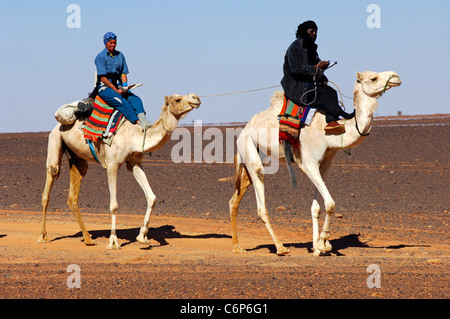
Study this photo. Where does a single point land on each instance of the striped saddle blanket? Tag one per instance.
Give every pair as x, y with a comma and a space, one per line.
103, 121
291, 117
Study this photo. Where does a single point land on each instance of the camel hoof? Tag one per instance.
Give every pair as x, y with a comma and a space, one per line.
323, 246
239, 249
90, 242
113, 244
113, 247
43, 239
319, 253
320, 246
142, 240
283, 251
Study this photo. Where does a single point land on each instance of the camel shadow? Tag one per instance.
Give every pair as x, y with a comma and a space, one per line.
339, 244
159, 234
1, 236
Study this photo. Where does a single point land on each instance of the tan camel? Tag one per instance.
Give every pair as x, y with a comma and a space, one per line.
127, 147
317, 151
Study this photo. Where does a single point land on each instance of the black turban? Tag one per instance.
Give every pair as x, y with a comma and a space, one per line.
302, 28
308, 42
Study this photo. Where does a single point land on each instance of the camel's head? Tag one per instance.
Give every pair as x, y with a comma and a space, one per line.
181, 105
375, 84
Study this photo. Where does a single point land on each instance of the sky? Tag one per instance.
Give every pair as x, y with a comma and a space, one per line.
215, 47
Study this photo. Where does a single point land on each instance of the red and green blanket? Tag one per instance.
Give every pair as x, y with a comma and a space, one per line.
290, 119
97, 124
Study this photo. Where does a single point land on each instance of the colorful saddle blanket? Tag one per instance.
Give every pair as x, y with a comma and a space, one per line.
103, 121
291, 117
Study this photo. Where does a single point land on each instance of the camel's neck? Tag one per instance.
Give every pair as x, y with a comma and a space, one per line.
364, 106
157, 135
359, 127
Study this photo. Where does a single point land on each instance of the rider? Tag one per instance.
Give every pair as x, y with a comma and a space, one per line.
112, 73
302, 66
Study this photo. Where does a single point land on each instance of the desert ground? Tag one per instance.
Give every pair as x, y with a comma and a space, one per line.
392, 211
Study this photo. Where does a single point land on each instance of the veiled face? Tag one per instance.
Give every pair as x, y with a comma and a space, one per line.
312, 33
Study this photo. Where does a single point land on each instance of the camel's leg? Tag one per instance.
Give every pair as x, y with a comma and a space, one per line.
52, 174
242, 183
255, 170
258, 184
113, 205
142, 180
316, 173
54, 157
43, 237
78, 169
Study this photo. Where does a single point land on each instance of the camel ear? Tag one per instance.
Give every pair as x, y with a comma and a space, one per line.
166, 100
359, 76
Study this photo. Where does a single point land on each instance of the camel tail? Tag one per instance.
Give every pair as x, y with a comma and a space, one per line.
289, 160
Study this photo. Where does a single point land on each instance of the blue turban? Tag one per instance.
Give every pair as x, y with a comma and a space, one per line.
108, 37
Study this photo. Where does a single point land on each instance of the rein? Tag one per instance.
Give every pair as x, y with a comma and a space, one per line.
357, 128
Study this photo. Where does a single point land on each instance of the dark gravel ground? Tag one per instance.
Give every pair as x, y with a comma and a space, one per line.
392, 200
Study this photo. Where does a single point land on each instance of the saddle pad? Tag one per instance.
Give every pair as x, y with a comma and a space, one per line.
96, 125
290, 119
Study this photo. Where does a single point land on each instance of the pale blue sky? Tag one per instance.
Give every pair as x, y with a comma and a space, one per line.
210, 47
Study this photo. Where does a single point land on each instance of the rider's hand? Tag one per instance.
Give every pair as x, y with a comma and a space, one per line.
323, 65
123, 89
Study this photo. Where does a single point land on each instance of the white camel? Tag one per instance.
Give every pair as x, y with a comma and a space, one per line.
317, 151
128, 146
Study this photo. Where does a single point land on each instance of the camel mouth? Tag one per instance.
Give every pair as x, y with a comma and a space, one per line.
194, 101
394, 81
392, 85
189, 107
194, 104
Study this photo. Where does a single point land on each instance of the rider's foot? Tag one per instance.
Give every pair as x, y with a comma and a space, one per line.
334, 128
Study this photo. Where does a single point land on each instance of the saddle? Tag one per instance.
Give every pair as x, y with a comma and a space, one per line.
103, 121
291, 118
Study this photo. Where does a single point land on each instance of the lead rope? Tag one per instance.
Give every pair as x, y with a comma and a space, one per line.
143, 140
240, 92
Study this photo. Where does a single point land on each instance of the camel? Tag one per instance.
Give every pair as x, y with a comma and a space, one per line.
128, 146
313, 157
